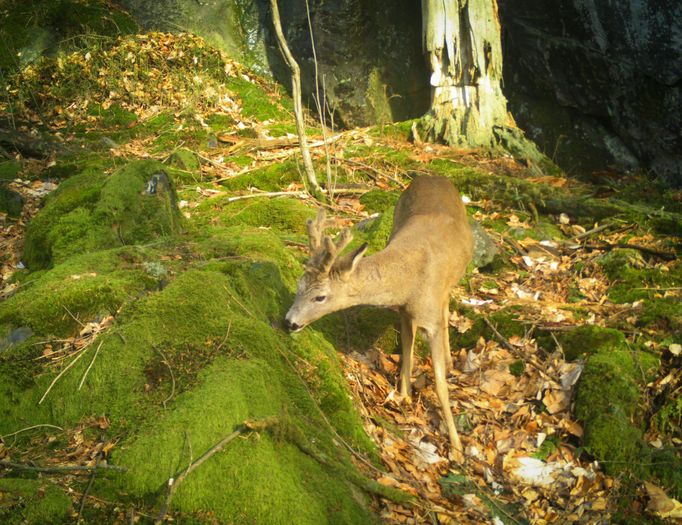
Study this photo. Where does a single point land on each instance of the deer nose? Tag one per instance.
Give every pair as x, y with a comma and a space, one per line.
290, 327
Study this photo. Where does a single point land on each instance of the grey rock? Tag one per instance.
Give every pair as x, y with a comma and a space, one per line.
598, 84
485, 249
19, 335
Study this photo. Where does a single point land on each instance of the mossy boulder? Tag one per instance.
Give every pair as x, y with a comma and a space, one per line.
9, 170
269, 178
186, 160
633, 279
32, 502
82, 289
607, 399
136, 204
11, 202
589, 339
185, 366
283, 214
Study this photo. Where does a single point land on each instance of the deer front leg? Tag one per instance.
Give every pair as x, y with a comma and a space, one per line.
439, 344
407, 333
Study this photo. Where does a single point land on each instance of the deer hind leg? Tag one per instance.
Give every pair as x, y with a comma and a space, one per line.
439, 345
447, 355
408, 330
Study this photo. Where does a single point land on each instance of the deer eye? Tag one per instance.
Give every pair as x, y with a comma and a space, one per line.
320, 298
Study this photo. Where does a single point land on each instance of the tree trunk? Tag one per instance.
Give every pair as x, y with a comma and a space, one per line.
462, 41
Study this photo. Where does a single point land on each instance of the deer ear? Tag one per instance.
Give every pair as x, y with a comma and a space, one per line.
346, 265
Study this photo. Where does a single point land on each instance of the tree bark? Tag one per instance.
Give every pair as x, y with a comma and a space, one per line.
462, 41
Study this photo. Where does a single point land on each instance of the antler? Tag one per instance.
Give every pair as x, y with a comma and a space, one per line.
324, 250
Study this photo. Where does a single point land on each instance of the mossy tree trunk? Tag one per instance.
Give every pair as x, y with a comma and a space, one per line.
462, 41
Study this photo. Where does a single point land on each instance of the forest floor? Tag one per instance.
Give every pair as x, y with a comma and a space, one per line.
566, 338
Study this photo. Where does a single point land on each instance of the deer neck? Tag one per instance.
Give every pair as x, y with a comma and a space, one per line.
377, 280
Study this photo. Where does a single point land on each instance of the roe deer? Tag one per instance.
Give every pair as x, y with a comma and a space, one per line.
426, 255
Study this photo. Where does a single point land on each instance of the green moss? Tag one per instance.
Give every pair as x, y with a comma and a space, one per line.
505, 321
137, 215
186, 160
608, 397
375, 232
30, 29
270, 178
84, 163
86, 286
280, 214
91, 211
549, 446
667, 467
249, 244
115, 116
377, 96
232, 369
517, 368
590, 339
606, 404
11, 202
255, 102
669, 417
9, 170
361, 329
82, 190
378, 201
634, 280
298, 489
220, 122
32, 502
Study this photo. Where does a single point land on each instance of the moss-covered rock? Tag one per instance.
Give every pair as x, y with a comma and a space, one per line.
632, 279
280, 214
91, 211
270, 178
607, 399
32, 502
590, 339
211, 328
377, 201
9, 170
11, 202
79, 290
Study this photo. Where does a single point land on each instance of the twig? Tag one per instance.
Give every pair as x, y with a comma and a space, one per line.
211, 161
510, 346
661, 288
165, 362
173, 483
227, 334
90, 365
30, 428
299, 194
592, 231
375, 170
66, 368
248, 312
63, 468
87, 489
295, 95
606, 246
73, 316
243, 172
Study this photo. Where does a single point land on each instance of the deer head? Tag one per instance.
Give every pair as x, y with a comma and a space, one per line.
324, 287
